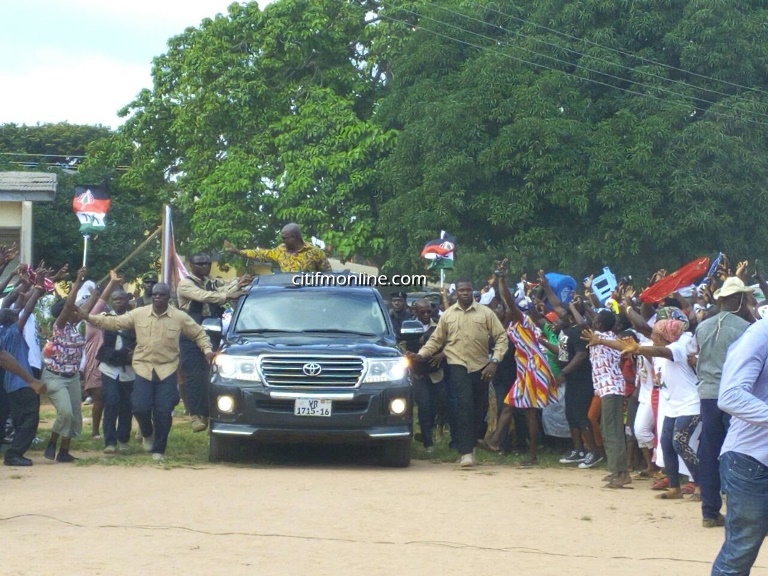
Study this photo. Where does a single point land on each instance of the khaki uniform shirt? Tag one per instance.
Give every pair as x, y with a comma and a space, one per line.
463, 335
194, 289
309, 258
157, 337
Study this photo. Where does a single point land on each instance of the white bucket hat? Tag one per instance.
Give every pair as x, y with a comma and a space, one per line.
731, 286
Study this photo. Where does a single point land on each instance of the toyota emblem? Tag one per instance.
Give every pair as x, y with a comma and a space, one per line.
312, 369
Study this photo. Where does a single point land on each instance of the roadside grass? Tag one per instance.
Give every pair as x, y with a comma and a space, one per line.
548, 457
185, 448
190, 450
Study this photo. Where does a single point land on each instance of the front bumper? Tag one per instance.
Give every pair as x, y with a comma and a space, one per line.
358, 415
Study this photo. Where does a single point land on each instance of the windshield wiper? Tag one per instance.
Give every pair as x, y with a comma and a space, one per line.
338, 331
266, 331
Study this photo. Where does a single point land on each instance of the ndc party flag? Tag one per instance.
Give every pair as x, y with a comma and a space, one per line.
440, 251
91, 204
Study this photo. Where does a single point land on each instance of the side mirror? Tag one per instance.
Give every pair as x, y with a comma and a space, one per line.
411, 330
212, 325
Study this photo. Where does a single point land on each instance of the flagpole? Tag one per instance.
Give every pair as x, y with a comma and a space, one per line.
138, 249
167, 231
442, 278
86, 237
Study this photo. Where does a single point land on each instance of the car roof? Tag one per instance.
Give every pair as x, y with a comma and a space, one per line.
311, 280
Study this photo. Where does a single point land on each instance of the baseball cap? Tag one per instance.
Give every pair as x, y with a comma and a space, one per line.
150, 276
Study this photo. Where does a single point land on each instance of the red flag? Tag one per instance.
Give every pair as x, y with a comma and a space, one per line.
173, 268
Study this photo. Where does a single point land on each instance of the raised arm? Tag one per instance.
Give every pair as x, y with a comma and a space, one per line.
554, 301
33, 296
7, 254
513, 312
69, 304
761, 281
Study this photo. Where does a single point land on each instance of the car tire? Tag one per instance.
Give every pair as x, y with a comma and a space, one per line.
396, 453
223, 449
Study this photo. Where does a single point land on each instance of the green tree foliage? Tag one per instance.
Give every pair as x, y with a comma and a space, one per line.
262, 118
57, 239
573, 135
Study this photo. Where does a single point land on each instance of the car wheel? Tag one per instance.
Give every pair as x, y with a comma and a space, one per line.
223, 448
396, 453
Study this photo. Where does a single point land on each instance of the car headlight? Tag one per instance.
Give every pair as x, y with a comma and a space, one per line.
386, 370
238, 367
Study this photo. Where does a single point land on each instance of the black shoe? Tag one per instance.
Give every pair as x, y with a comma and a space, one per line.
16, 460
50, 452
65, 457
573, 457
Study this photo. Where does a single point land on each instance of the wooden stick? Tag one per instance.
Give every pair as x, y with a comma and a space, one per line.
136, 251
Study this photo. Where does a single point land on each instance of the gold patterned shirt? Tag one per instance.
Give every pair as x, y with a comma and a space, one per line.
309, 258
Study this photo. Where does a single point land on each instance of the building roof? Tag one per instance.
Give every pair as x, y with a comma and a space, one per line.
32, 186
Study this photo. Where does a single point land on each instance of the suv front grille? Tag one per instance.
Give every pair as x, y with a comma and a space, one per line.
312, 371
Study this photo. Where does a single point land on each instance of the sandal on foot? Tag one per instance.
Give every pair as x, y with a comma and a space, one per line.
618, 485
529, 463
671, 494
661, 484
689, 488
486, 446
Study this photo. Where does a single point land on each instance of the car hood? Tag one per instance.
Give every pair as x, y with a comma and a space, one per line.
313, 345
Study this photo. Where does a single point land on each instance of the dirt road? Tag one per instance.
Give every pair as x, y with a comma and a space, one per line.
309, 518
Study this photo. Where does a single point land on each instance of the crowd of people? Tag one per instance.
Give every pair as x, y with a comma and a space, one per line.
661, 391
134, 357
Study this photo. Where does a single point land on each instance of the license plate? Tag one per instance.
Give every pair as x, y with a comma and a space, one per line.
312, 407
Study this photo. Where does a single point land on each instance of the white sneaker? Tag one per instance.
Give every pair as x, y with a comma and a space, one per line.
157, 457
110, 449
148, 442
467, 460
123, 448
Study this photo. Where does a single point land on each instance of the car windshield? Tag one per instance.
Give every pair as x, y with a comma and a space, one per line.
312, 310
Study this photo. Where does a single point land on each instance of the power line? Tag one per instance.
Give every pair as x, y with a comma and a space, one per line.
41, 155
622, 52
597, 58
536, 64
586, 68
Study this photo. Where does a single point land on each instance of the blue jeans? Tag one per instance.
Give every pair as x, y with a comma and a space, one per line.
745, 484
153, 404
714, 426
117, 410
675, 440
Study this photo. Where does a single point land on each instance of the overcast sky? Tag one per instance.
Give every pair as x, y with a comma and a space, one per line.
80, 61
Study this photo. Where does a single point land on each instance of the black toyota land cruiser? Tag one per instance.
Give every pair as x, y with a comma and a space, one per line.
310, 364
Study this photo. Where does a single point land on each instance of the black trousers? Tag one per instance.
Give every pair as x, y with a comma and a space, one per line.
194, 366
428, 396
25, 411
472, 400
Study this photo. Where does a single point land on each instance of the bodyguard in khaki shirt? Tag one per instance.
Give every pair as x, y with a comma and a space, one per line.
463, 334
155, 359
202, 296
